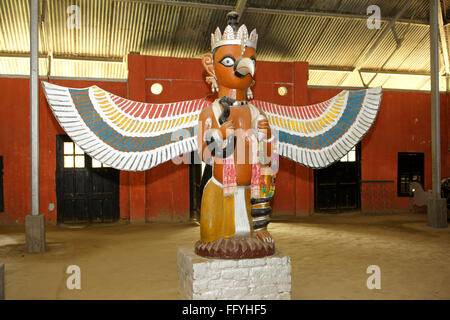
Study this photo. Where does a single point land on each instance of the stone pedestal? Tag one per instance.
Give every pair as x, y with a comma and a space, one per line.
2, 281
437, 213
223, 279
35, 233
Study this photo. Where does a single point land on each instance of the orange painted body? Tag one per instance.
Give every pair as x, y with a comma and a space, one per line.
240, 118
239, 122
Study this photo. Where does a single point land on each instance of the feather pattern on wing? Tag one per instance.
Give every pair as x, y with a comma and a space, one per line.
121, 133
321, 134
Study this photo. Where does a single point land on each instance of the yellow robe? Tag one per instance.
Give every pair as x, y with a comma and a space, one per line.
217, 217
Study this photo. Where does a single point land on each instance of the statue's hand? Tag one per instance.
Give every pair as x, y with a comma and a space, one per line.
263, 124
264, 128
227, 129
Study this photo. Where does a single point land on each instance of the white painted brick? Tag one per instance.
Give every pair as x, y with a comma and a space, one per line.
221, 264
210, 295
286, 260
221, 284
200, 286
215, 265
284, 287
262, 274
284, 278
256, 279
285, 296
285, 268
229, 263
236, 274
272, 296
275, 261
200, 270
258, 271
252, 262
214, 274
264, 290
235, 293
270, 279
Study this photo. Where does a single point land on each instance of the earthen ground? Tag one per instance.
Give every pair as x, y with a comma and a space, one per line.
329, 254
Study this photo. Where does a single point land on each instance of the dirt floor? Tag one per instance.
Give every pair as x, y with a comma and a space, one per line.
329, 254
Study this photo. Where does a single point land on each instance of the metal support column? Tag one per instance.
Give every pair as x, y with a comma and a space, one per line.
437, 207
34, 106
34, 223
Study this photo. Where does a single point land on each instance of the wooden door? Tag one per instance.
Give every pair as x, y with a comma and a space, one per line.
338, 187
87, 191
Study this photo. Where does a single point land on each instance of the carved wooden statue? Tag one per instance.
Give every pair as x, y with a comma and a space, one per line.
237, 137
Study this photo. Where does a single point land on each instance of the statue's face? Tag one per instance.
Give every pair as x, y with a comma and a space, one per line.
233, 70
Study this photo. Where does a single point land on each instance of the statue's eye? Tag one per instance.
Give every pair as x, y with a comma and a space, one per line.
227, 61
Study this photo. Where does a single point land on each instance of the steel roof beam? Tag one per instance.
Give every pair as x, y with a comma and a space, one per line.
62, 57
443, 38
377, 42
444, 9
296, 13
381, 72
240, 8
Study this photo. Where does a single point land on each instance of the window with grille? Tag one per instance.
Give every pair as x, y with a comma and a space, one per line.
350, 156
73, 156
410, 169
98, 164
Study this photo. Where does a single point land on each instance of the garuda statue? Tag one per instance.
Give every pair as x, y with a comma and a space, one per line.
237, 137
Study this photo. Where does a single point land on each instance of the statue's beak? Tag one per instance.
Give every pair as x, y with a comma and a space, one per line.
244, 66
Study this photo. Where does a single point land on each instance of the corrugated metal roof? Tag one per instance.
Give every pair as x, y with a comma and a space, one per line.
418, 8
20, 66
110, 29
387, 81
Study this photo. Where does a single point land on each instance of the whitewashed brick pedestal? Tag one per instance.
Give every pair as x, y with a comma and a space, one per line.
223, 279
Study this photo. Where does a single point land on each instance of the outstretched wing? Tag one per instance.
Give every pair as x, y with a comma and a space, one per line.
121, 133
321, 134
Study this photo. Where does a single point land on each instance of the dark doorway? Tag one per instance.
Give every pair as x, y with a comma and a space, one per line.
338, 187
195, 186
87, 191
410, 169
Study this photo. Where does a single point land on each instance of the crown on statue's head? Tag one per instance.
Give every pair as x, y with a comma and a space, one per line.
233, 35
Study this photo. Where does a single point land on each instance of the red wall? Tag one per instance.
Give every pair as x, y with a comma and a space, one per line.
402, 125
15, 146
162, 193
